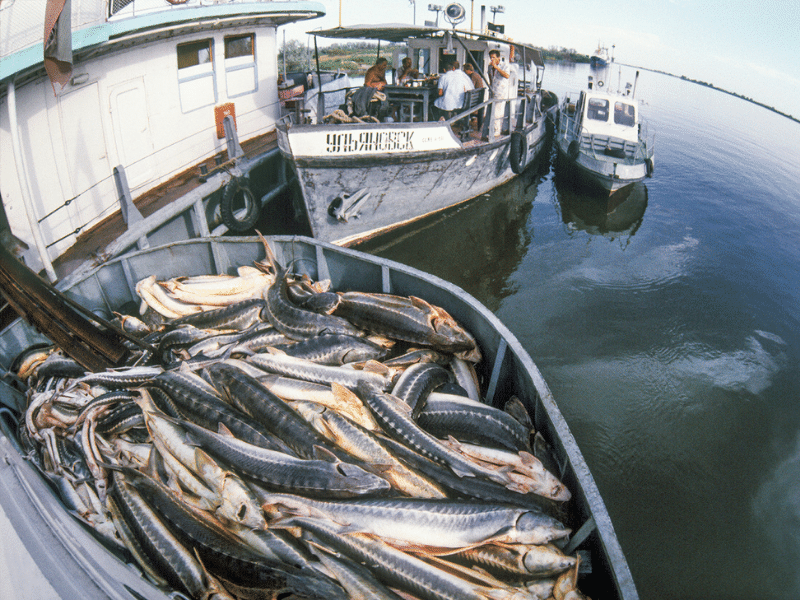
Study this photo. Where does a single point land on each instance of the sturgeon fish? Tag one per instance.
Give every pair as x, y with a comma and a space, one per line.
332, 478
435, 523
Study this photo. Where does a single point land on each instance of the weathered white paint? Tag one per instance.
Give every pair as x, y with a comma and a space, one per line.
128, 104
344, 140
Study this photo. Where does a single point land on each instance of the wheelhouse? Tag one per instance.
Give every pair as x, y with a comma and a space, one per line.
608, 114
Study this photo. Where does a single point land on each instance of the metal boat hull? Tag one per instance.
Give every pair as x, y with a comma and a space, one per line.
601, 172
62, 546
402, 186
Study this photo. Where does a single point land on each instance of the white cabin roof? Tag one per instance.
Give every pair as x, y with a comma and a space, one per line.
98, 22
604, 113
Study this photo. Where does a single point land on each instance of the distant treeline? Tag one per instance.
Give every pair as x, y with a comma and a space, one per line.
356, 57
719, 89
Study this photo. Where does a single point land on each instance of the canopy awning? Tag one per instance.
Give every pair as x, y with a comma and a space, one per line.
398, 32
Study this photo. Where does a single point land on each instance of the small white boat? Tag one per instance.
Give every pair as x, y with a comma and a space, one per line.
601, 137
361, 177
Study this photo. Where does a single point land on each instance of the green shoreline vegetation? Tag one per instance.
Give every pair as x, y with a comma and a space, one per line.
355, 58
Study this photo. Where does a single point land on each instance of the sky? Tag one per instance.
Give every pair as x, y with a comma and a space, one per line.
750, 47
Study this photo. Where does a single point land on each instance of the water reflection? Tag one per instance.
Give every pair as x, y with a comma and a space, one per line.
478, 244
616, 217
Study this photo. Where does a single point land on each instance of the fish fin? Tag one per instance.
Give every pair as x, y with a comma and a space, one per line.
321, 453
207, 504
461, 472
422, 304
373, 366
345, 395
529, 460
223, 430
401, 406
201, 457
185, 370
453, 442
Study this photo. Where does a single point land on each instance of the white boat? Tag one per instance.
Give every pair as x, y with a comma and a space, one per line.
359, 179
602, 139
137, 121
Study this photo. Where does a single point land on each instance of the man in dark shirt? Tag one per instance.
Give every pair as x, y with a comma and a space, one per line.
477, 81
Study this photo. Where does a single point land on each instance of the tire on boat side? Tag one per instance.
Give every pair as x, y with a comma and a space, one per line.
518, 151
573, 149
236, 192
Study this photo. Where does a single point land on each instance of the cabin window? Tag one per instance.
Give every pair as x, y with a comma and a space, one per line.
196, 80
240, 64
445, 58
117, 5
424, 60
624, 114
477, 59
194, 54
597, 109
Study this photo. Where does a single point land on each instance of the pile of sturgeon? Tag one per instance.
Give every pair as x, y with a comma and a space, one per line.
276, 439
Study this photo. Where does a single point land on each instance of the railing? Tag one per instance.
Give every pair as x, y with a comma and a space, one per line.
603, 146
519, 111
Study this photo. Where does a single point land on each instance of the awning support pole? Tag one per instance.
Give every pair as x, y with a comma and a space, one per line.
22, 176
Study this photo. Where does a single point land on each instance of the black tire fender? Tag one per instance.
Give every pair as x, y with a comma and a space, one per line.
518, 151
574, 149
237, 190
649, 167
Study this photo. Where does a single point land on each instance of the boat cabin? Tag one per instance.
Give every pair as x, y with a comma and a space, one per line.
145, 85
430, 49
602, 114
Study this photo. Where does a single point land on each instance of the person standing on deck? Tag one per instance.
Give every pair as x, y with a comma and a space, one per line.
503, 81
452, 85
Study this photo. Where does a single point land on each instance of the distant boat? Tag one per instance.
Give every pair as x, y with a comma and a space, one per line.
601, 138
600, 58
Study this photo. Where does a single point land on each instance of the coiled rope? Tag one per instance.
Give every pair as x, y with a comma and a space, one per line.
339, 116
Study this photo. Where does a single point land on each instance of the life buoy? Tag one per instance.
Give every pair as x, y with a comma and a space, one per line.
518, 151
574, 149
649, 167
237, 195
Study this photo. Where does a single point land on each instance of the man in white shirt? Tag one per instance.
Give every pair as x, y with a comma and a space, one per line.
503, 78
452, 85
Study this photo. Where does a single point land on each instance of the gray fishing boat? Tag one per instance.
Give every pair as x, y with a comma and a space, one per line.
61, 555
400, 162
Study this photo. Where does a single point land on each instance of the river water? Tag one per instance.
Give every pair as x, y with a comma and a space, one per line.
666, 325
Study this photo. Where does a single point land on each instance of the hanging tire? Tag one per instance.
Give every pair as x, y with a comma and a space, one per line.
649, 167
237, 195
574, 149
518, 151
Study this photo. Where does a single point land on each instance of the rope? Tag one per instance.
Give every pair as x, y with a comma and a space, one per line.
339, 116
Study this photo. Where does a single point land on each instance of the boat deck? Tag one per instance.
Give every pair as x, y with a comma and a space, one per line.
92, 241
